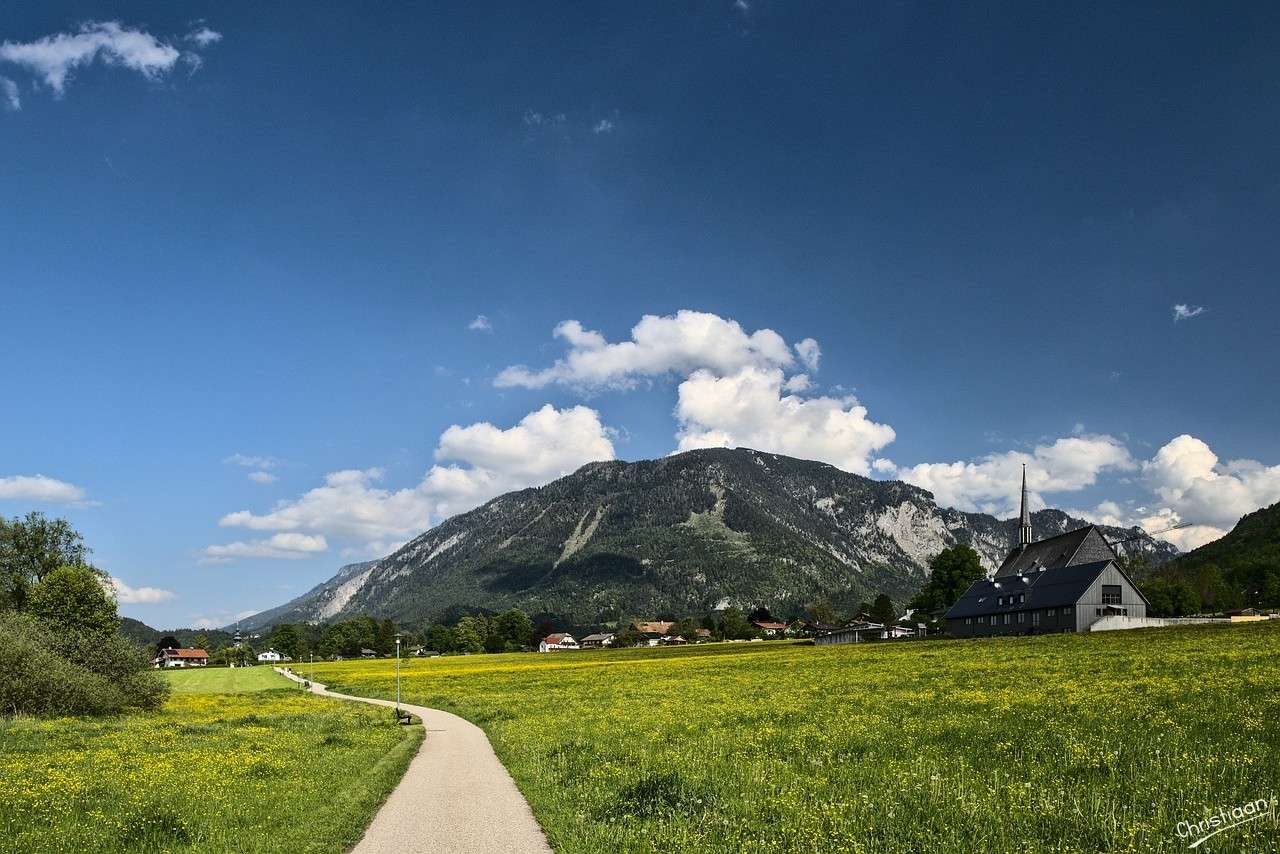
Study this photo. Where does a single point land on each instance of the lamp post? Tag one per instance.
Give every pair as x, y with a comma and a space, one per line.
397, 675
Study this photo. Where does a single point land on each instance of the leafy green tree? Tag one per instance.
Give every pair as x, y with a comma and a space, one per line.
469, 635
1171, 597
440, 638
882, 610
286, 640
629, 636
30, 549
515, 628
822, 611
73, 599
952, 572
734, 626
686, 628
385, 643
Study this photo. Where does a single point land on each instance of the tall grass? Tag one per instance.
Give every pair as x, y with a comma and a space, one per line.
1062, 743
267, 771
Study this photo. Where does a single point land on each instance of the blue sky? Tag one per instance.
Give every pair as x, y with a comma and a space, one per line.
251, 240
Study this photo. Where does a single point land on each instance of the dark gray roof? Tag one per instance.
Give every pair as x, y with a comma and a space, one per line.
1048, 588
1079, 546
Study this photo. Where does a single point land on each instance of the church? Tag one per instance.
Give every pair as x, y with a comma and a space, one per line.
1060, 584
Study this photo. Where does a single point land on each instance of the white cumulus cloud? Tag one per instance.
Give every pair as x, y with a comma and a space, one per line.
1193, 483
809, 352
127, 595
283, 546
680, 344
992, 484
474, 463
37, 487
750, 409
480, 324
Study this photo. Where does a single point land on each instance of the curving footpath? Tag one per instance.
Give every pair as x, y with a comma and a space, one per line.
455, 796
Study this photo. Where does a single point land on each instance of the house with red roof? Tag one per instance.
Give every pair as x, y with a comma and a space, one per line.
557, 642
181, 658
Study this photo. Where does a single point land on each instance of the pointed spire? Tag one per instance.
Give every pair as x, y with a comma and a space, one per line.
1024, 530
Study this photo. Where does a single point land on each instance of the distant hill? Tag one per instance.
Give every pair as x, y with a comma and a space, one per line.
1248, 559
144, 636
679, 535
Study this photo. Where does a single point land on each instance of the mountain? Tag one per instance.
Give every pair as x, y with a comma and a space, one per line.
1247, 560
678, 535
144, 636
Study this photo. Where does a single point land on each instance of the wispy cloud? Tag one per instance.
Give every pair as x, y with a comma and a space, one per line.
480, 324
250, 461
603, 126
9, 90
52, 59
1182, 311
203, 36
262, 477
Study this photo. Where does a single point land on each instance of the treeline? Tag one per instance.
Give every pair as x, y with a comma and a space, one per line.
61, 650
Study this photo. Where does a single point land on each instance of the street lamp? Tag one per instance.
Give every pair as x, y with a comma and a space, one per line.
397, 675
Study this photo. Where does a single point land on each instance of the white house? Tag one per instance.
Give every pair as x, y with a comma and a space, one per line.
596, 641
272, 656
181, 658
557, 642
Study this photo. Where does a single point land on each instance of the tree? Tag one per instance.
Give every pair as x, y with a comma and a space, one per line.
73, 600
821, 611
952, 572
167, 642
882, 610
469, 635
31, 548
629, 636
440, 638
734, 626
762, 614
515, 628
286, 640
686, 628
386, 638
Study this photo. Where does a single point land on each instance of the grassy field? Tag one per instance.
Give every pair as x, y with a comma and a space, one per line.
225, 680
237, 761
1057, 743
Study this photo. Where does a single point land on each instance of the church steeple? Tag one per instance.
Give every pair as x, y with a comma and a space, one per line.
1024, 530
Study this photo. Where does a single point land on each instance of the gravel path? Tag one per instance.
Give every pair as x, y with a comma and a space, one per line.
455, 796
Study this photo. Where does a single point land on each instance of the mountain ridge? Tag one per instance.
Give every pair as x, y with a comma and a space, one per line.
681, 534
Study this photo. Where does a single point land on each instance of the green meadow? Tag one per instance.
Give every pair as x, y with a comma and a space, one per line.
1074, 743
235, 761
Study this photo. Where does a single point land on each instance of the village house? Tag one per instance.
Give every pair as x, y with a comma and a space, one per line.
272, 656
185, 657
597, 641
660, 627
770, 628
557, 642
1060, 584
862, 631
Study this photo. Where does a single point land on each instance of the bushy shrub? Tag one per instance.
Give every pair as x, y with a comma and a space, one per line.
45, 673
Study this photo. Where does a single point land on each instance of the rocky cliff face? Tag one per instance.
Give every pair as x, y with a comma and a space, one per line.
678, 535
